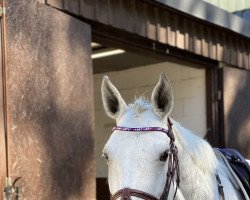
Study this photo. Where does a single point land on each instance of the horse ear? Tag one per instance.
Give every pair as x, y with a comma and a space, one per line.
113, 102
162, 97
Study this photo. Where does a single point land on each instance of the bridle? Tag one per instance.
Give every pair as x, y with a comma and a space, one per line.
173, 166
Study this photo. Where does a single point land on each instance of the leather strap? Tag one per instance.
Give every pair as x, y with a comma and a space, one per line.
126, 194
220, 187
173, 166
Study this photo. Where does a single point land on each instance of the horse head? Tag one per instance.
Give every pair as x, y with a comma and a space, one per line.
139, 158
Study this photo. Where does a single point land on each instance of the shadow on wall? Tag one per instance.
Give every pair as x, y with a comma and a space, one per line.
237, 123
50, 102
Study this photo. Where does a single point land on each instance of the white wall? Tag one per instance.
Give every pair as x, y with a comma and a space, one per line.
189, 94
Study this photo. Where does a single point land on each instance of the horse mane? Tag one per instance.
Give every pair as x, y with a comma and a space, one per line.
201, 154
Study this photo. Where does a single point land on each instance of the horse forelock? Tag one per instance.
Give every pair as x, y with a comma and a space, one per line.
141, 105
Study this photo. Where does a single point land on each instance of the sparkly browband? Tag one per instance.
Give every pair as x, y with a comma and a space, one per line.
122, 128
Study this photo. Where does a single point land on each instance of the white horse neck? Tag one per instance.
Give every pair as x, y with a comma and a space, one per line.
197, 165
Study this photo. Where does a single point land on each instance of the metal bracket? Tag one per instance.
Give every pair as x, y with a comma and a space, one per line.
11, 190
2, 11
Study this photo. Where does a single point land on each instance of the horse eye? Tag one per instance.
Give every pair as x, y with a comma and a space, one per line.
164, 156
105, 156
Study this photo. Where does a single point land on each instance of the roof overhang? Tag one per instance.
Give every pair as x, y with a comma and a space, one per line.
207, 12
188, 26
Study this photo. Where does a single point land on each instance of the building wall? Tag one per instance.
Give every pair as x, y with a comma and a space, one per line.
50, 103
124, 20
189, 94
236, 109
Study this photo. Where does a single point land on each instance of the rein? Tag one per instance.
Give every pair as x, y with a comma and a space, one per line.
173, 166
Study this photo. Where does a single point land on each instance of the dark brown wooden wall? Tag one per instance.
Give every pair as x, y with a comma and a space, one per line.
236, 109
164, 25
50, 103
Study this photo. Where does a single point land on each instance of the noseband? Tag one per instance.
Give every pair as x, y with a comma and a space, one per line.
173, 166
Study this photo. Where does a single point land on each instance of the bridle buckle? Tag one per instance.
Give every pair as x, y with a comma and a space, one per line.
126, 194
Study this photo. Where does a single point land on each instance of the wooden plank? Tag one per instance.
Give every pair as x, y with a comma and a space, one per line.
219, 46
116, 9
129, 15
186, 34
161, 26
212, 44
151, 23
198, 40
55, 3
171, 36
237, 53
140, 10
101, 10
73, 6
240, 53
229, 50
191, 36
204, 41
245, 60
226, 48
248, 54
233, 48
211, 107
180, 36
87, 9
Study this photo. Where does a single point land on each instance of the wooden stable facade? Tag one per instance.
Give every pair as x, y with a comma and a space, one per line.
159, 23
164, 28
50, 77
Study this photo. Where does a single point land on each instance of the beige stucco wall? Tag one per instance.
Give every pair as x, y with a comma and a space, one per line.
189, 93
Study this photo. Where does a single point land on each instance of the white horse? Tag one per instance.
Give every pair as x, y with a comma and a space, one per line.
139, 158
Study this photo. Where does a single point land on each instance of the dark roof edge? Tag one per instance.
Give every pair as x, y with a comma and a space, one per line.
210, 13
